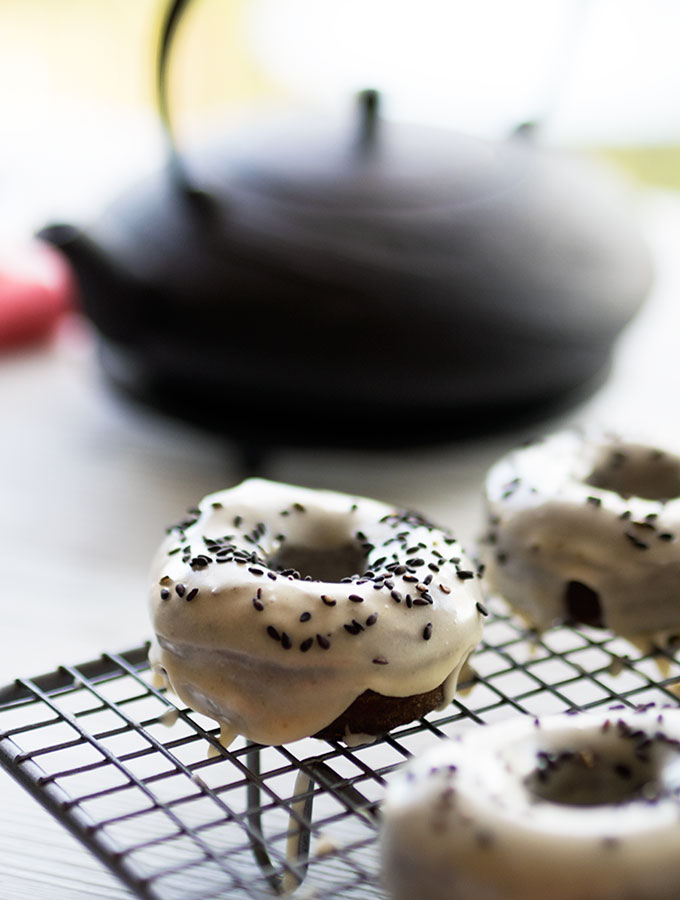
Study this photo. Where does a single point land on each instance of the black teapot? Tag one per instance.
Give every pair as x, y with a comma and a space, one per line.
359, 282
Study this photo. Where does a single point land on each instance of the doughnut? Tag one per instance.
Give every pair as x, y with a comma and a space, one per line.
584, 529
567, 808
284, 612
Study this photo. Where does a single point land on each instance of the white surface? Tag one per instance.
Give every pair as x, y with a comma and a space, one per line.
88, 486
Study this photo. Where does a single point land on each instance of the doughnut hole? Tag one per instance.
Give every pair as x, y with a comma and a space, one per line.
328, 564
582, 605
587, 777
636, 471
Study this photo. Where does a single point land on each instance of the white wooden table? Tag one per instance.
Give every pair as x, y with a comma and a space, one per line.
88, 485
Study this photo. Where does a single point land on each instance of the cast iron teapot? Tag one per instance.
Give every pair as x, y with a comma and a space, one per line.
336, 282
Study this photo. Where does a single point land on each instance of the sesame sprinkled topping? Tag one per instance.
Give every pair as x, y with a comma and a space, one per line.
165, 593
258, 604
396, 596
356, 598
306, 644
482, 609
273, 633
372, 619
323, 642
379, 661
255, 571
180, 590
427, 631
192, 593
286, 642
635, 541
464, 574
305, 616
445, 588
329, 601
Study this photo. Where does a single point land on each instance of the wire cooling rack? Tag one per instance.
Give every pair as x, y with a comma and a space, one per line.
146, 786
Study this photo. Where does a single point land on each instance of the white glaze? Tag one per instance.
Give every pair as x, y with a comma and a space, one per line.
219, 656
548, 526
464, 822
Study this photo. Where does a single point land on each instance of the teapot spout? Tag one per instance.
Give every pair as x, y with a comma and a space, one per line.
105, 289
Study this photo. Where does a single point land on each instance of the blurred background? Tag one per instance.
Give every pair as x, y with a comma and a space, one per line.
77, 98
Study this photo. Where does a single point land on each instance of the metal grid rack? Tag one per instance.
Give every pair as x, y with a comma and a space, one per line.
146, 786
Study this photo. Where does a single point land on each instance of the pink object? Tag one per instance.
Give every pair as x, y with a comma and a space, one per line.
36, 288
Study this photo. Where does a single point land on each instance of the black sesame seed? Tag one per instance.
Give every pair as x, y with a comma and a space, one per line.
396, 596
258, 604
173, 551
216, 504
464, 574
286, 642
299, 507
380, 661
665, 536
238, 520
255, 571
372, 619
306, 644
427, 631
305, 616
635, 541
482, 609
594, 501
192, 593
273, 633
180, 590
329, 601
355, 598
323, 642
165, 593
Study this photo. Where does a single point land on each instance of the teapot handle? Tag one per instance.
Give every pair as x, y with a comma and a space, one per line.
198, 199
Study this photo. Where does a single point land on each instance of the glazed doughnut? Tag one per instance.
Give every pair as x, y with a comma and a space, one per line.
585, 530
567, 808
284, 612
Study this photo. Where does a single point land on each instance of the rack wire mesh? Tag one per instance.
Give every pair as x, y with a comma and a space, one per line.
146, 786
